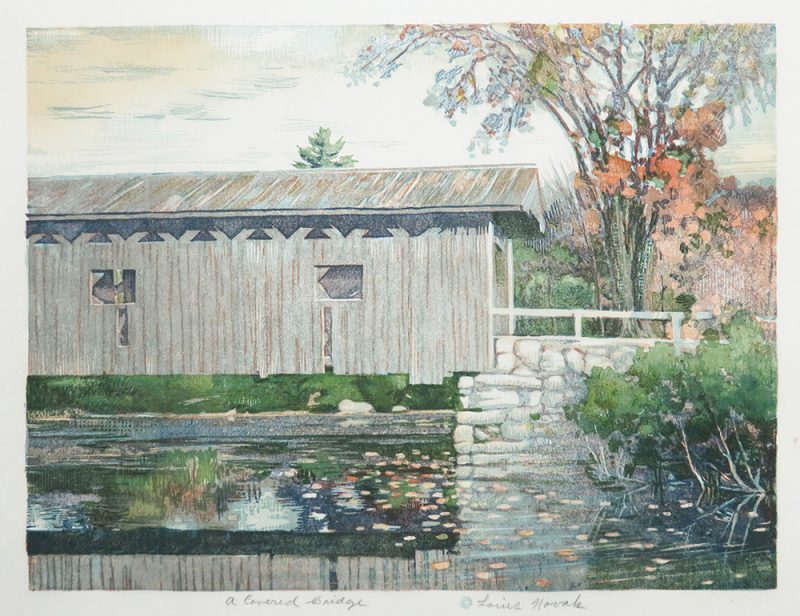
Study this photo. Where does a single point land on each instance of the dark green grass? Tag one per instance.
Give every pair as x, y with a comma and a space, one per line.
111, 394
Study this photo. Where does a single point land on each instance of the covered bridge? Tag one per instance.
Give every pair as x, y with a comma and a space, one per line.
358, 271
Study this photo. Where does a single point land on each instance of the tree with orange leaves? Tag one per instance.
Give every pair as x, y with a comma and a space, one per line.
641, 106
723, 252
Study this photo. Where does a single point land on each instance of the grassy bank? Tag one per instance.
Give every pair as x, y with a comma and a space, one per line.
109, 394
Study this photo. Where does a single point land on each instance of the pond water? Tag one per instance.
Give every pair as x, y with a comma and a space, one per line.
391, 511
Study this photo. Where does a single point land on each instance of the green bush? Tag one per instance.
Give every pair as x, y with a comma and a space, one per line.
446, 395
714, 411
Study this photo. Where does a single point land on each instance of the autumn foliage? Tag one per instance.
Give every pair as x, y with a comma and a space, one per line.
641, 106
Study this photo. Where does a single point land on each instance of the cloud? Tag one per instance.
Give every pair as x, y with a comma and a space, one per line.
267, 81
102, 74
94, 112
249, 87
220, 94
195, 112
127, 71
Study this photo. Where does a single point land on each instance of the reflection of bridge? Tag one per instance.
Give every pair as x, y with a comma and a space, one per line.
519, 531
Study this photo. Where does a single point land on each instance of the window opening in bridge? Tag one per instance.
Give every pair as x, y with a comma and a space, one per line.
116, 287
327, 338
340, 282
122, 326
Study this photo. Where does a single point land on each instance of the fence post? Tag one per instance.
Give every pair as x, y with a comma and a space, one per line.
510, 285
578, 317
677, 319
492, 284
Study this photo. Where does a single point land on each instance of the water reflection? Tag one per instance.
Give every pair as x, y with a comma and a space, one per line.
364, 512
305, 486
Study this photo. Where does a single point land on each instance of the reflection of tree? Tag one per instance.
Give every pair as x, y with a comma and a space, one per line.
179, 482
684, 544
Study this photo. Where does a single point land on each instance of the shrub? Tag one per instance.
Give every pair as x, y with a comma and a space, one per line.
714, 411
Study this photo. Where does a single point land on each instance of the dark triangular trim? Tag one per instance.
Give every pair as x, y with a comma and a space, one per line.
71, 230
125, 228
204, 235
151, 237
345, 226
378, 232
176, 228
317, 234
231, 227
259, 234
417, 225
99, 238
287, 225
46, 239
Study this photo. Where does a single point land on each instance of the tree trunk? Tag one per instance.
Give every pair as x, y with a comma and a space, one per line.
629, 246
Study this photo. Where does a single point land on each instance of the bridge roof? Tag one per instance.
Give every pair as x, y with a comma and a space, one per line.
494, 188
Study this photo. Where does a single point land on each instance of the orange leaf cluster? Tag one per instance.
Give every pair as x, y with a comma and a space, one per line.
733, 268
614, 179
703, 127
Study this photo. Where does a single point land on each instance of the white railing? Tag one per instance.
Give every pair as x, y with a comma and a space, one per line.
578, 314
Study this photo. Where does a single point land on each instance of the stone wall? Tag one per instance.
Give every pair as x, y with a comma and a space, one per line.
521, 402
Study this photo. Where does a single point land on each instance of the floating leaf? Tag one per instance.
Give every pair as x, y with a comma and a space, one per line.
526, 532
498, 565
442, 564
543, 583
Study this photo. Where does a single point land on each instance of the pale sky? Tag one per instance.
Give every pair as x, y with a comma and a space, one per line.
242, 98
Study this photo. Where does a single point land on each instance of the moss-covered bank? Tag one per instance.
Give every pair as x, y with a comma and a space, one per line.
108, 394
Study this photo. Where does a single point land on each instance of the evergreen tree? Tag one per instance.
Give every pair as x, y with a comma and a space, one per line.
322, 153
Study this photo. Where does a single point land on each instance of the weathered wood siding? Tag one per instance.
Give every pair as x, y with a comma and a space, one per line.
248, 306
252, 572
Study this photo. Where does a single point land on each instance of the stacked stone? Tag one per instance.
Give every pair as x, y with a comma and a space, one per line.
522, 402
